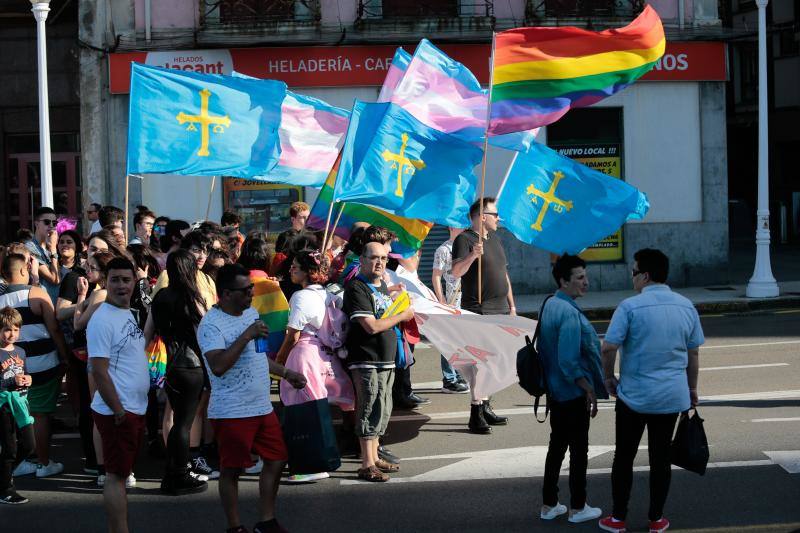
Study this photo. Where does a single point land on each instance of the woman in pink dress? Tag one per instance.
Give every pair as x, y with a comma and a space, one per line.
303, 349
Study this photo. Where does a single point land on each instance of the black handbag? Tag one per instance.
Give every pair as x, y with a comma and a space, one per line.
310, 439
689, 449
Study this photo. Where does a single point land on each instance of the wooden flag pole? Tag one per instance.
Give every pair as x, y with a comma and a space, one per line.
336, 222
483, 171
335, 168
210, 194
327, 224
127, 187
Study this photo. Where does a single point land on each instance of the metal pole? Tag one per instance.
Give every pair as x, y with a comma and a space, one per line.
762, 284
40, 11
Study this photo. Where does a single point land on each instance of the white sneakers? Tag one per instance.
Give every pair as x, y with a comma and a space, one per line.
53, 468
130, 481
307, 478
549, 513
575, 516
25, 468
256, 468
587, 513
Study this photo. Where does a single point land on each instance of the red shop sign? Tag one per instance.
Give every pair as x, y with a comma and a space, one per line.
363, 66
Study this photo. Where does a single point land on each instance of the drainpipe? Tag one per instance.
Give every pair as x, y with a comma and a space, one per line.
681, 9
147, 33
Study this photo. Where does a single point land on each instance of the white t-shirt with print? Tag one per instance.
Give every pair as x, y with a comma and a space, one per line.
242, 391
443, 260
307, 309
113, 334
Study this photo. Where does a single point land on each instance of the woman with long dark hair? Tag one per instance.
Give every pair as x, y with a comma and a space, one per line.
174, 315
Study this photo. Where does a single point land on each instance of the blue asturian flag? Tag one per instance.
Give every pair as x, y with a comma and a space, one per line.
562, 206
394, 162
202, 124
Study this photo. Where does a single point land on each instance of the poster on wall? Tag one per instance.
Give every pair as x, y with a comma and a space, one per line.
606, 158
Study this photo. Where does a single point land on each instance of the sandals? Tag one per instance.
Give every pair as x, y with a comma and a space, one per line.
386, 467
371, 473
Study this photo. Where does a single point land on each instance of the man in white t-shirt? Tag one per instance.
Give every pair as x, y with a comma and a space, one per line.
239, 408
119, 367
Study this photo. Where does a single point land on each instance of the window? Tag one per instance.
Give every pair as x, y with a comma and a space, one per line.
593, 137
422, 8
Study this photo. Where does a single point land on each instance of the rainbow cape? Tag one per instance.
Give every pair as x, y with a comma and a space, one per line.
273, 309
410, 232
541, 73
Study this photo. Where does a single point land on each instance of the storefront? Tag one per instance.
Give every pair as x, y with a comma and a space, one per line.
665, 135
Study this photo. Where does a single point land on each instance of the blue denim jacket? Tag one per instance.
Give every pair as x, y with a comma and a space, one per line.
570, 349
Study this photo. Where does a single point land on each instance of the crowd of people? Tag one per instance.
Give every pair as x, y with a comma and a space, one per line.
83, 314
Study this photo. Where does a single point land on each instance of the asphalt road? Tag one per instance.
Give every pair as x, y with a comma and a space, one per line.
454, 481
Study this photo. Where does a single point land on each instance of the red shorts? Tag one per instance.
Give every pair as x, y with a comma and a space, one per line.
121, 443
237, 438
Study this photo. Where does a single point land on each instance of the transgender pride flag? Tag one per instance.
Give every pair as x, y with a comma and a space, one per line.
311, 134
445, 95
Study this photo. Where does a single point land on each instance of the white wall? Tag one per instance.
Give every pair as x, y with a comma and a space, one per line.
662, 149
182, 197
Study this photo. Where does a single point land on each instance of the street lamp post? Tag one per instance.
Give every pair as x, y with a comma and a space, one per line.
40, 10
762, 284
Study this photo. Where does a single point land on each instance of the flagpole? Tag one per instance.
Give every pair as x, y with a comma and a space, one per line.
483, 170
127, 187
336, 222
327, 224
210, 194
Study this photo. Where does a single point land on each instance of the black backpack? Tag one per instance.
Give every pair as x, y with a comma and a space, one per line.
530, 371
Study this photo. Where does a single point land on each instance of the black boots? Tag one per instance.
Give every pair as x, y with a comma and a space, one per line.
481, 418
182, 483
491, 418
477, 421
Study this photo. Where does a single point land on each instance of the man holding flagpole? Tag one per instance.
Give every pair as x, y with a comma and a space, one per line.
496, 295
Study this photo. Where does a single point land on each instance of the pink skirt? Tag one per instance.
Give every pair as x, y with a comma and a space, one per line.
324, 373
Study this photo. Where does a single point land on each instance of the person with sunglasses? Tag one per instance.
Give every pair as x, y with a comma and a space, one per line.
240, 408
658, 334
496, 296
44, 248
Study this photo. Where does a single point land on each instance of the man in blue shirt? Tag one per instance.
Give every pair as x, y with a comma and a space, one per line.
570, 352
660, 334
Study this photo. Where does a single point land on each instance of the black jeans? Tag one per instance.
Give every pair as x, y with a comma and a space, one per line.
79, 373
183, 387
10, 454
569, 428
630, 426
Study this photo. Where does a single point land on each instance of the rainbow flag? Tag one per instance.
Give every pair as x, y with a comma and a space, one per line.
410, 232
541, 73
273, 309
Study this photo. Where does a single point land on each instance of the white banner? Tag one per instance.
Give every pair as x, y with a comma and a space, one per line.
484, 344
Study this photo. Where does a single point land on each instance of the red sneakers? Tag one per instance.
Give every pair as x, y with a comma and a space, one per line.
613, 525
659, 526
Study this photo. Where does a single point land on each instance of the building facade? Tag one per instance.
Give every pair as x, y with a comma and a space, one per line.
666, 134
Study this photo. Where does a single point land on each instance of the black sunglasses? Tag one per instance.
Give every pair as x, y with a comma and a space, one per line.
48, 221
491, 213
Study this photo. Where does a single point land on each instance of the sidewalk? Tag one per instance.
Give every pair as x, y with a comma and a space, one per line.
728, 298
714, 299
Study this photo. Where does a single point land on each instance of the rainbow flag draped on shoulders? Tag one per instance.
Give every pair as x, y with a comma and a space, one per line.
273, 309
541, 73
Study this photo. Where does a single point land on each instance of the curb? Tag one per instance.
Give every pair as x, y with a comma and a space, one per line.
704, 308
